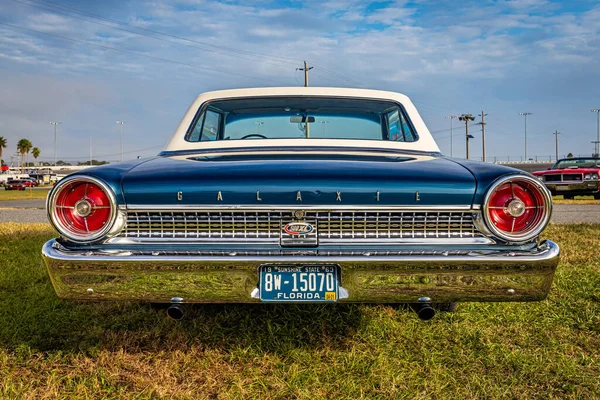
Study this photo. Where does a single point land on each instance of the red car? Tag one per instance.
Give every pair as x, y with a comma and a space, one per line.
15, 185
29, 182
573, 177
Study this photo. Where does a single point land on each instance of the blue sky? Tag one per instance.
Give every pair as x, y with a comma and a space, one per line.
90, 63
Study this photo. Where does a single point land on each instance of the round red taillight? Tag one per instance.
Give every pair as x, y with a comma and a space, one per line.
82, 209
517, 208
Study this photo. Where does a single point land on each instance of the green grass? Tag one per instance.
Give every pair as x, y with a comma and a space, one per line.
52, 348
577, 200
26, 194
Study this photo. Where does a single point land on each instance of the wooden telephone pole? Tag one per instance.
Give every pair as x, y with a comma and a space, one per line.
467, 118
483, 123
305, 69
556, 133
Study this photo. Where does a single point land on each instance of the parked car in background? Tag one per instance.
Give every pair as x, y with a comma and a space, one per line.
15, 185
29, 182
301, 195
573, 177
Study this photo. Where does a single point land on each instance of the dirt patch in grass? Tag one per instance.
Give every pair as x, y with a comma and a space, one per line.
57, 349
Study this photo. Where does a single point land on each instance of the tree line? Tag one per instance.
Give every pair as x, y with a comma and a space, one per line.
24, 146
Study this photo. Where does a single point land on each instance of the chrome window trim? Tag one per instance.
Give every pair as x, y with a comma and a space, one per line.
51, 207
543, 222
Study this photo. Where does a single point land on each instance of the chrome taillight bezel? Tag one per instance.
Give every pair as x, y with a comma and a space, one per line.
51, 207
543, 221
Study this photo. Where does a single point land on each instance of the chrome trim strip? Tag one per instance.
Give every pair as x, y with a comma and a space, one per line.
332, 208
369, 242
52, 249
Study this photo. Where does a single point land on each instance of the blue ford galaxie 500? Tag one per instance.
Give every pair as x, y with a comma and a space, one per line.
301, 195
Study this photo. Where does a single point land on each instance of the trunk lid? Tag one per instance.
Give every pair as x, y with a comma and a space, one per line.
299, 179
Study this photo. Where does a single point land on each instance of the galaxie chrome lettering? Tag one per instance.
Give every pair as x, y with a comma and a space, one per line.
338, 196
417, 196
179, 196
298, 228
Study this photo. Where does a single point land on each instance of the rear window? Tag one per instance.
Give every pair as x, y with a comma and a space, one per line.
297, 118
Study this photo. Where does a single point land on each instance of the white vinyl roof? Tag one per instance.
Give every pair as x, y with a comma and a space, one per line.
424, 143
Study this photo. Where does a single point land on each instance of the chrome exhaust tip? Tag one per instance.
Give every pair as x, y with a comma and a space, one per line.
175, 312
423, 308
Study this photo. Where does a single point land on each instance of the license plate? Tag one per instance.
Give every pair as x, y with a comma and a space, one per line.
305, 283
562, 188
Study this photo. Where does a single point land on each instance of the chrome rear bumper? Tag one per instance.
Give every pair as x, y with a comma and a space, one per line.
366, 277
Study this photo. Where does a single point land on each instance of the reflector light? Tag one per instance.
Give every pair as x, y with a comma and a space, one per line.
517, 208
82, 208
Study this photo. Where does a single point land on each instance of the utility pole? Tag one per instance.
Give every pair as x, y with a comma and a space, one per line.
483, 123
597, 142
54, 123
90, 151
121, 123
467, 118
451, 117
525, 114
556, 133
305, 69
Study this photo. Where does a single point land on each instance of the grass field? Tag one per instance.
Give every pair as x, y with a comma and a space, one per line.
576, 200
23, 194
55, 349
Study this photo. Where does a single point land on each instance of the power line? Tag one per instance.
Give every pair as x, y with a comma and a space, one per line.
135, 53
339, 76
111, 155
217, 49
232, 52
202, 47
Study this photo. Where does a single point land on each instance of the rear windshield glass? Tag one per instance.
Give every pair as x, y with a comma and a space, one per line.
297, 118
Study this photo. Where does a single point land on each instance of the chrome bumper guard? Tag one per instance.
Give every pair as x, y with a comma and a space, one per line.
381, 277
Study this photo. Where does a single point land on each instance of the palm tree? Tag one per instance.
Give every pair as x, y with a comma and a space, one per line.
35, 152
23, 147
2, 146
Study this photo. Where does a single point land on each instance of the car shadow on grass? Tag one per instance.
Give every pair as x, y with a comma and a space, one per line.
36, 318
